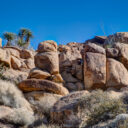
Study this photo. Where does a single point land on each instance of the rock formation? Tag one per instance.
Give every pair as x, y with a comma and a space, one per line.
48, 75
71, 65
105, 68
75, 66
45, 77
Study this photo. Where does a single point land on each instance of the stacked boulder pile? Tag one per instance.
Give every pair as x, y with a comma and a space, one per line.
107, 68
45, 77
19, 62
71, 65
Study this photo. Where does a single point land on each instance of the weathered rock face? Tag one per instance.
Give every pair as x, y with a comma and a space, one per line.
13, 52
94, 66
15, 62
67, 106
94, 70
47, 57
68, 53
117, 74
71, 67
38, 74
112, 53
68, 77
5, 57
29, 63
123, 53
42, 85
47, 61
57, 78
102, 72
47, 46
17, 59
26, 54
75, 86
91, 47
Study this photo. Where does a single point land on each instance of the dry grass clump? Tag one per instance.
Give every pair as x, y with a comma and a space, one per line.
20, 116
100, 108
105, 111
44, 104
11, 96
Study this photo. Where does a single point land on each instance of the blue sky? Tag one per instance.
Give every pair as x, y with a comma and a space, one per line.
64, 20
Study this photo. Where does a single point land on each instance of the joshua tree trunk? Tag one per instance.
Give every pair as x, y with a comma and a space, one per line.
8, 43
27, 43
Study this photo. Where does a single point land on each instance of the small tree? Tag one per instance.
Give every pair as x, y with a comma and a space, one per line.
24, 37
22, 33
9, 36
29, 35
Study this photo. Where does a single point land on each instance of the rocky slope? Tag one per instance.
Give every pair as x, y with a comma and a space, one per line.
56, 83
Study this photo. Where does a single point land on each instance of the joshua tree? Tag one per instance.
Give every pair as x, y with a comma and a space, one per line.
9, 36
28, 37
25, 34
22, 33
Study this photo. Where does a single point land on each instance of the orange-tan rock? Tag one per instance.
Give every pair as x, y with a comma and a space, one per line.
38, 74
117, 74
42, 85
47, 61
57, 78
94, 70
14, 52
26, 54
5, 57
47, 46
15, 63
123, 53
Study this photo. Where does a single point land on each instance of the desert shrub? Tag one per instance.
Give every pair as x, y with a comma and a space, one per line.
106, 110
11, 96
43, 104
20, 116
4, 68
123, 124
98, 107
125, 99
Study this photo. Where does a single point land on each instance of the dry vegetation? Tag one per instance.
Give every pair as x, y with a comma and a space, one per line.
92, 109
98, 107
12, 97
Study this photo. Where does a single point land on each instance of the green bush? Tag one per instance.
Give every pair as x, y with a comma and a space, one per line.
99, 108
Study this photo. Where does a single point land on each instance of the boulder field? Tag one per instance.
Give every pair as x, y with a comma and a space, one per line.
74, 67
56, 81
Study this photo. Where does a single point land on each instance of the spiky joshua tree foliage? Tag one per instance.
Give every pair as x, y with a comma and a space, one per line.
9, 36
24, 37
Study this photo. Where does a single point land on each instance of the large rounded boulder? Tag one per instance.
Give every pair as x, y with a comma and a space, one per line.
47, 46
47, 61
